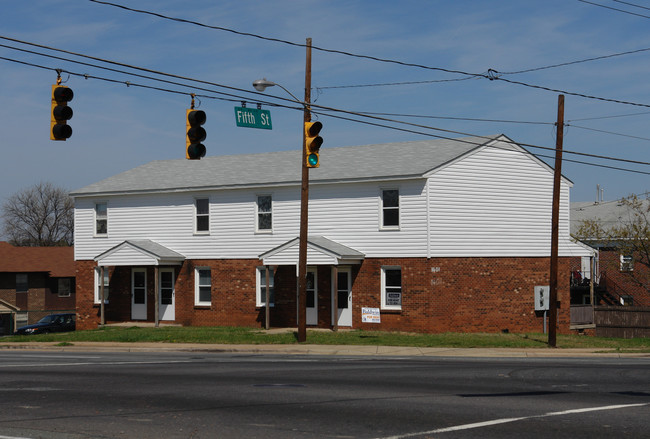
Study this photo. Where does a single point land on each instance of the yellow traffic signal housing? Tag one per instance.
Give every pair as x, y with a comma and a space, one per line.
60, 113
312, 142
194, 134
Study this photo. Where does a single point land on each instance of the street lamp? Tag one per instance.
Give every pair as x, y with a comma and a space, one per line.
261, 85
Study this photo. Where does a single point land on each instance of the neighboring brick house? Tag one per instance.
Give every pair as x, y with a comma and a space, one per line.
620, 279
34, 282
439, 235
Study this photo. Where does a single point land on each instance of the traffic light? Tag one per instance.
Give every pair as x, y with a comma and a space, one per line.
61, 113
195, 134
312, 142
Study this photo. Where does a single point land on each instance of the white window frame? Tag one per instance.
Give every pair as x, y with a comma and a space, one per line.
384, 304
198, 285
258, 213
97, 293
197, 215
626, 263
64, 290
383, 208
259, 287
98, 218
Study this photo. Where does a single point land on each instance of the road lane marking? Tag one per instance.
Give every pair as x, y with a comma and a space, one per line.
507, 420
93, 363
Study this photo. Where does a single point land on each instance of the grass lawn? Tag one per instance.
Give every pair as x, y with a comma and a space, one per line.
229, 335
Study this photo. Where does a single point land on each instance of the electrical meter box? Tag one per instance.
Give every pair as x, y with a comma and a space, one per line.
542, 296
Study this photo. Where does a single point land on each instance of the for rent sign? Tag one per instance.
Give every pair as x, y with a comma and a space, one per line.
370, 315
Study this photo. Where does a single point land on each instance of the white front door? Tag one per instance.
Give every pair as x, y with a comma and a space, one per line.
139, 294
312, 297
344, 297
167, 301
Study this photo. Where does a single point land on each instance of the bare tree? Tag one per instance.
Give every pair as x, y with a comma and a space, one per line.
42, 215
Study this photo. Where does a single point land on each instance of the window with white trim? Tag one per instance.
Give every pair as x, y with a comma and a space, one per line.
202, 210
98, 285
202, 286
101, 219
390, 208
391, 288
264, 220
627, 262
260, 293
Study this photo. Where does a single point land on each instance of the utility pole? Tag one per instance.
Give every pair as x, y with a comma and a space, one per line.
304, 204
555, 222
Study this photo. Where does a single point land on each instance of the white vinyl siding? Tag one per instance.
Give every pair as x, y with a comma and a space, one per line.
494, 203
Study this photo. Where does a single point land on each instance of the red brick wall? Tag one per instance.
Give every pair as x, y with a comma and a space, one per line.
462, 294
439, 295
635, 283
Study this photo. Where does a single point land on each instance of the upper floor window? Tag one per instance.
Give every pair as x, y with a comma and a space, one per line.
391, 288
627, 262
390, 208
203, 287
202, 206
22, 284
101, 219
264, 213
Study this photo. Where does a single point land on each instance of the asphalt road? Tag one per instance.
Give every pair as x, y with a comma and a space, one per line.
207, 395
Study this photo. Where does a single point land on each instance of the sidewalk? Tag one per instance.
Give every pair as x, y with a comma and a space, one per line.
313, 349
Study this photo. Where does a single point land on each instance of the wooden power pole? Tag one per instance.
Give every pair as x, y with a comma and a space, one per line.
304, 204
555, 223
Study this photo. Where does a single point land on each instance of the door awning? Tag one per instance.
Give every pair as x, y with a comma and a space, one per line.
139, 252
320, 251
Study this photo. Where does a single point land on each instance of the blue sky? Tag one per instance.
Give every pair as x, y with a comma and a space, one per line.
117, 127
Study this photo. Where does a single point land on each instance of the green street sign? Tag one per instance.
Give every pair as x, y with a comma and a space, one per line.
253, 118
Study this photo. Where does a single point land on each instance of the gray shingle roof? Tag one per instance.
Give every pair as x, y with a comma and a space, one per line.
369, 162
607, 214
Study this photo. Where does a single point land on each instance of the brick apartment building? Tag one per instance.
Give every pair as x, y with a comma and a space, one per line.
34, 282
435, 235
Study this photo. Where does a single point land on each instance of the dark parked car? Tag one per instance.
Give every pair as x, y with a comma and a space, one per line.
51, 323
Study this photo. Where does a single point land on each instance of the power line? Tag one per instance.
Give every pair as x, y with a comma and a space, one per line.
632, 4
469, 119
495, 77
386, 84
106, 61
516, 72
608, 132
491, 75
278, 40
239, 98
596, 58
607, 7
615, 168
610, 117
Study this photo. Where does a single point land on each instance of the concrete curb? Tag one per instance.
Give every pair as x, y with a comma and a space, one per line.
312, 349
